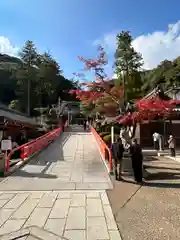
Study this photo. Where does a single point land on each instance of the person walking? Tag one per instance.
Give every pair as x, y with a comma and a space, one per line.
156, 137
117, 153
137, 158
172, 143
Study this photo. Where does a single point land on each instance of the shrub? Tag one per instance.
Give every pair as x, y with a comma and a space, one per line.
117, 129
102, 134
107, 139
107, 128
98, 129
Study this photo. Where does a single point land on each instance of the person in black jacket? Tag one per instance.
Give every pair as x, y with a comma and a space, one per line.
117, 152
137, 158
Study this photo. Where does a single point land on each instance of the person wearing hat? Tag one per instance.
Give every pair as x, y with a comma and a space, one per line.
172, 143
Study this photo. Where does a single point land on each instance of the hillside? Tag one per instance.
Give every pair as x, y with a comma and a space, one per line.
9, 59
11, 88
7, 62
167, 74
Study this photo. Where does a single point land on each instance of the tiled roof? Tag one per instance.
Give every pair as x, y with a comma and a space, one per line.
15, 115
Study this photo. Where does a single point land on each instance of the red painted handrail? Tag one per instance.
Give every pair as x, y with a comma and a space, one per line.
28, 149
103, 148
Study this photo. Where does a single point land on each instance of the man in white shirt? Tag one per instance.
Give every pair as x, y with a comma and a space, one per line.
156, 139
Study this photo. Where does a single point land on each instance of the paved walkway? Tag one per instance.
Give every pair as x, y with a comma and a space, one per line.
150, 211
61, 190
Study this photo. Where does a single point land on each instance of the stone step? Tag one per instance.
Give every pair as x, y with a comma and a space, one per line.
33, 233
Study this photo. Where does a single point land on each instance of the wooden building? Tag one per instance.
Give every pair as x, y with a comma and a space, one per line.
166, 127
12, 122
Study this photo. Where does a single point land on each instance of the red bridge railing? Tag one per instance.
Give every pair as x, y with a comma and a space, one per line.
34, 146
103, 149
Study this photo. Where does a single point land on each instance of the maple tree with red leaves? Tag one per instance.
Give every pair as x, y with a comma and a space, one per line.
102, 92
150, 109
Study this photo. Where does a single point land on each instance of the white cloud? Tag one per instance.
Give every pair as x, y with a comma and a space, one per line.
154, 47
7, 48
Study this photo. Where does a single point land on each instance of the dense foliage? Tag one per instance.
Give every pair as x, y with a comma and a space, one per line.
108, 96
150, 109
33, 77
36, 80
127, 66
100, 95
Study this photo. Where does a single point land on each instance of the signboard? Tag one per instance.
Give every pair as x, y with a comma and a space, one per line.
6, 145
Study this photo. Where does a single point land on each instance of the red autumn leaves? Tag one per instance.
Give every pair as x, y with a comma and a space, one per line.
100, 92
149, 109
108, 97
86, 96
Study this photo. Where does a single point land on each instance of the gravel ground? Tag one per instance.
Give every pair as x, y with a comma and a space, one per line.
150, 211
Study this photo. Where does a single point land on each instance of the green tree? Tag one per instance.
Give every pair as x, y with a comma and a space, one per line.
86, 109
166, 74
48, 74
127, 65
26, 74
42, 72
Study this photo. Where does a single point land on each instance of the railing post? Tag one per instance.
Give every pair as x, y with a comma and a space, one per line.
103, 147
111, 166
22, 154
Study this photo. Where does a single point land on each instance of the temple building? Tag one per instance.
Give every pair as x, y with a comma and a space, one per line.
165, 127
12, 122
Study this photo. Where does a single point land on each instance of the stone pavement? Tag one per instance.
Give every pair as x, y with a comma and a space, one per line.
72, 162
73, 214
61, 190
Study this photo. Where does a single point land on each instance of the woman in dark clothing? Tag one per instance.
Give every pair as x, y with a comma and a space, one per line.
137, 158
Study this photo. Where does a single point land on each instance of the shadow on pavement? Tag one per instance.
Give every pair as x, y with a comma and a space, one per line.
164, 173
39, 164
22, 173
157, 167
153, 184
149, 210
161, 184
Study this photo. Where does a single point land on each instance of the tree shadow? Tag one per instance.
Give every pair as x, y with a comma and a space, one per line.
162, 176
151, 180
150, 159
21, 173
159, 167
161, 185
40, 164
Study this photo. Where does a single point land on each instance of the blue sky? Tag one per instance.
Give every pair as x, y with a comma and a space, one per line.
68, 28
